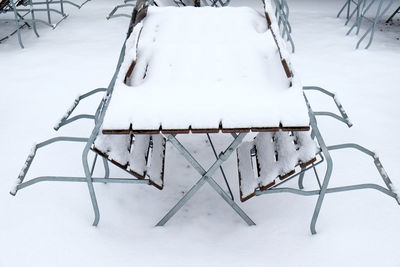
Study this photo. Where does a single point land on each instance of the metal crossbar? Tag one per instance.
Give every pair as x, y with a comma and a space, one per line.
206, 176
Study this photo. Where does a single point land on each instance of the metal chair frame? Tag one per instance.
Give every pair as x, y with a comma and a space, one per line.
323, 188
20, 20
282, 15
116, 8
359, 12
23, 8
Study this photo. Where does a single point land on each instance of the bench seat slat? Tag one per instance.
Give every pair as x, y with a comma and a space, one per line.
115, 147
278, 156
155, 170
142, 155
138, 155
266, 160
307, 148
248, 183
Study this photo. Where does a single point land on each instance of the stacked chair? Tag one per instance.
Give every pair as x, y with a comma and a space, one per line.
360, 11
24, 13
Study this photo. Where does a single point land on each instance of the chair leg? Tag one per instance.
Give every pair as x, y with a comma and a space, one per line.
34, 22
17, 27
329, 167
106, 169
90, 182
322, 192
300, 181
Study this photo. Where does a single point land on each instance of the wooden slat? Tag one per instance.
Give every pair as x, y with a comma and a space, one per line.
157, 159
268, 164
208, 130
3, 4
138, 155
245, 171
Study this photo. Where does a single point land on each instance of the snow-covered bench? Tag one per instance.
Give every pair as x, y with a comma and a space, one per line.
271, 158
140, 155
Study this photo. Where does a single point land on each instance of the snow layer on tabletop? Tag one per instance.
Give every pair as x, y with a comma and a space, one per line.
199, 72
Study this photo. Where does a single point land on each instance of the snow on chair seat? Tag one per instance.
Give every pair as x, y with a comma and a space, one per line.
141, 155
271, 158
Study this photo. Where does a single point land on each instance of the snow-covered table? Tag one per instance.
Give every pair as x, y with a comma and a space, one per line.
183, 72
205, 70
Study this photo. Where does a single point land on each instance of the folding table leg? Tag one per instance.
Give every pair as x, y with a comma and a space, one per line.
220, 167
232, 203
17, 23
206, 177
182, 202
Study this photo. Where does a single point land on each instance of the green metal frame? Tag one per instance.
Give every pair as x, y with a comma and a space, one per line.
282, 15
206, 176
359, 13
21, 10
323, 190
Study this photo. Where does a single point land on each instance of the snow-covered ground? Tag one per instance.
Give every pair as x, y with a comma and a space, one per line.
49, 224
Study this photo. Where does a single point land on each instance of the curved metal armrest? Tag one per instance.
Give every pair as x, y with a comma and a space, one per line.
32, 155
64, 119
377, 162
343, 118
113, 15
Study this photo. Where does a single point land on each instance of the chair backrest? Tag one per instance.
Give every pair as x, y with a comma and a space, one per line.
141, 155
273, 157
4, 4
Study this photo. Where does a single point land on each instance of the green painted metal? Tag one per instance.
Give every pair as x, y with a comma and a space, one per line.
360, 14
324, 188
206, 176
116, 8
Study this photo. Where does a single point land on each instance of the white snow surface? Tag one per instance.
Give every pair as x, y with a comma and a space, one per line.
49, 224
213, 65
138, 154
278, 153
115, 146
